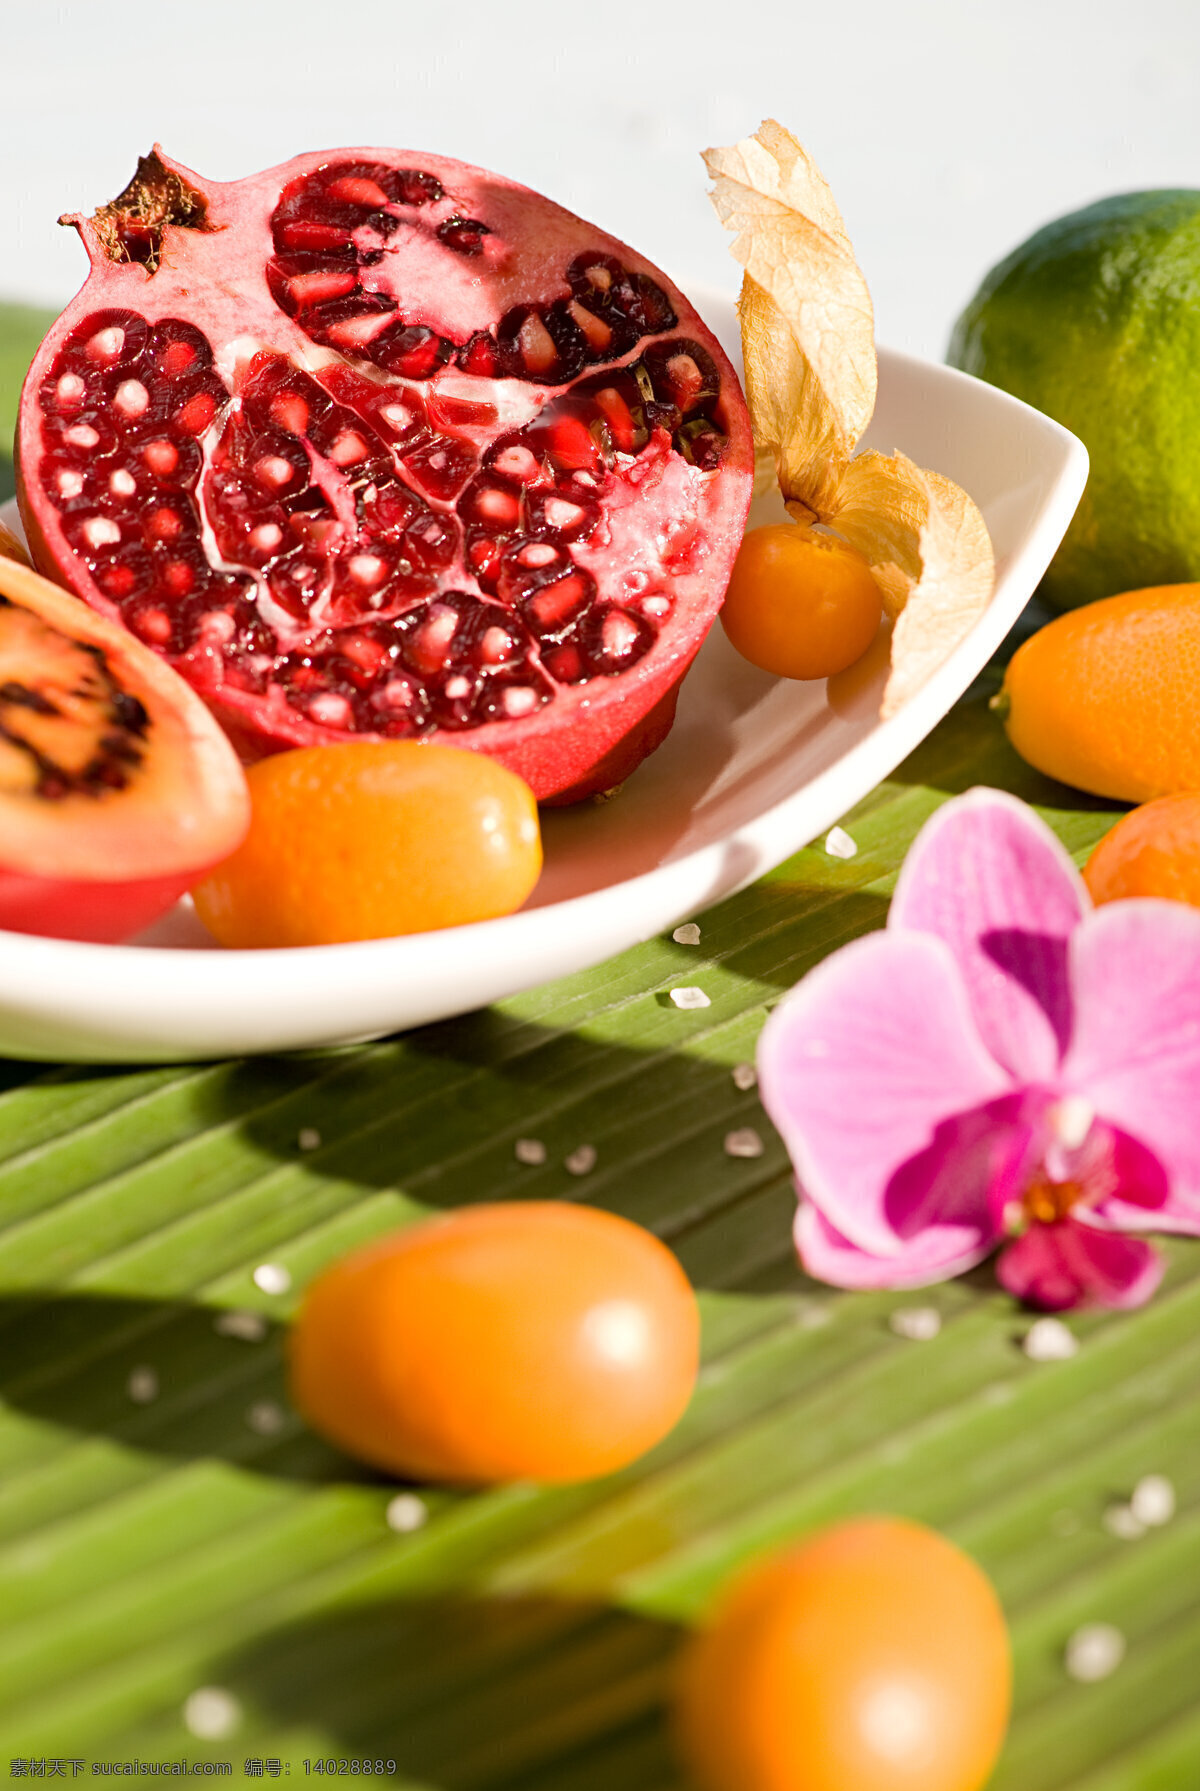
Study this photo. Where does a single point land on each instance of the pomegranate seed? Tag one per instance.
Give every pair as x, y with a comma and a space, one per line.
290, 413
397, 416
106, 345
572, 446
431, 541
519, 699
484, 557
457, 687
460, 413
69, 389
413, 186
392, 510
415, 352
217, 627
398, 693
119, 581
367, 654
178, 577
132, 399
519, 463
565, 663
560, 602
614, 639
353, 190
598, 333
358, 332
122, 484
153, 625
658, 604
684, 372
367, 568
619, 417
619, 633
273, 472
651, 308
266, 537
197, 414
294, 586
321, 532
501, 508
464, 234
314, 289
177, 358
301, 234
331, 710
70, 484
348, 449
563, 515
479, 356
98, 531
165, 525
161, 457
537, 345
496, 646
82, 435
429, 646
538, 553
442, 468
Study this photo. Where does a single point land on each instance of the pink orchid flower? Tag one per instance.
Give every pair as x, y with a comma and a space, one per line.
1002, 1065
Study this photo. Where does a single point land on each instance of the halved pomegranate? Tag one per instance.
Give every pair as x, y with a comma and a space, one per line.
376, 444
118, 789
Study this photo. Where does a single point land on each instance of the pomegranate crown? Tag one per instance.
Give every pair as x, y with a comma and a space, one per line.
130, 227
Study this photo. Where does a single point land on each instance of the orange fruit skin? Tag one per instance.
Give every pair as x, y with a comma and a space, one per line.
874, 1657
1153, 851
531, 1340
1105, 697
370, 839
800, 604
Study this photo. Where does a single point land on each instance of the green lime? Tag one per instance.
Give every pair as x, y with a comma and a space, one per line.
1096, 321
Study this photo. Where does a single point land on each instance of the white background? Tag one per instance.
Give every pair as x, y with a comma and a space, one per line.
948, 129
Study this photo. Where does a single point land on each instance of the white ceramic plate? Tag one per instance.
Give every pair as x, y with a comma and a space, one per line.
754, 769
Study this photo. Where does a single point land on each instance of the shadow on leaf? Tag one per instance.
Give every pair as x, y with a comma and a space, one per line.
162, 1378
471, 1694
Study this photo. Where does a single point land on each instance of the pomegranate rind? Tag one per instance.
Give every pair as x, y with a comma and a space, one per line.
102, 865
569, 746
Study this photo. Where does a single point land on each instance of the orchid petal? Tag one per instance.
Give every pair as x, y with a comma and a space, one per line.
829, 1256
989, 878
1064, 1265
1135, 970
858, 1067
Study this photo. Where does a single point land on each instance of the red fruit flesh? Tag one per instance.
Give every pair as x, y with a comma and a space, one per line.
379, 445
118, 790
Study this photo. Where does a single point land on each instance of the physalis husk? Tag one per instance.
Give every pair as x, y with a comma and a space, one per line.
808, 344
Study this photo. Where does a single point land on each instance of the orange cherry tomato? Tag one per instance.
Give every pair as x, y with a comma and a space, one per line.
373, 838
874, 1657
800, 603
1152, 851
534, 1340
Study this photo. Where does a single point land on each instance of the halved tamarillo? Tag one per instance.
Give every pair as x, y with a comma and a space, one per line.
378, 445
118, 788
